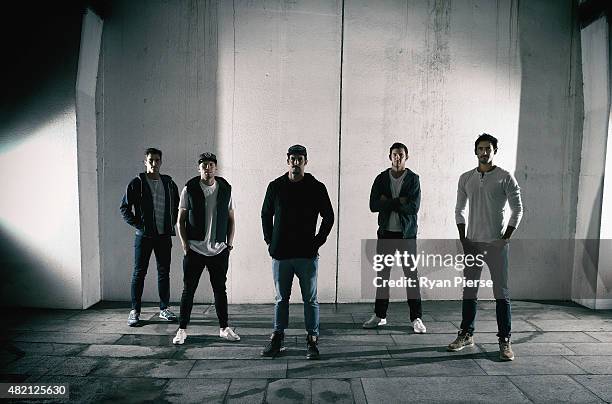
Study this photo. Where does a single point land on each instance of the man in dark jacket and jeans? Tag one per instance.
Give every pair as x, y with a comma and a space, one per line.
396, 196
292, 204
150, 204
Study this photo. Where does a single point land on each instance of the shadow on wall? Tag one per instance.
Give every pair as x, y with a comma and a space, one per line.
549, 142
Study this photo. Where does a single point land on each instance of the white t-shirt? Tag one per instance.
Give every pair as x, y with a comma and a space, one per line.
396, 186
208, 246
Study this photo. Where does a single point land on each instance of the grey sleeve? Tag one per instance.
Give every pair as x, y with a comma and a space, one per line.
461, 202
513, 193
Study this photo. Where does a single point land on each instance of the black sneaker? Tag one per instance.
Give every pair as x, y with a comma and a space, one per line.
312, 352
275, 346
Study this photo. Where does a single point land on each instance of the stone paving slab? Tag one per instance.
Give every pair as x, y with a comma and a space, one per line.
289, 391
574, 325
433, 327
441, 366
145, 340
597, 384
407, 351
530, 365
239, 369
143, 328
347, 352
441, 389
225, 352
246, 391
74, 366
68, 338
335, 368
393, 318
552, 336
160, 368
53, 325
42, 348
129, 351
331, 391
553, 389
33, 365
378, 340
592, 348
532, 349
184, 391
601, 365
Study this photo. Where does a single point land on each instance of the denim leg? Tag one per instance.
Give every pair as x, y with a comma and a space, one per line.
193, 266
163, 252
217, 270
497, 260
282, 273
306, 271
470, 295
413, 294
143, 246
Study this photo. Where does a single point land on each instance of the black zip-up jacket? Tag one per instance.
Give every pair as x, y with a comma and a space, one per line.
411, 189
138, 196
289, 217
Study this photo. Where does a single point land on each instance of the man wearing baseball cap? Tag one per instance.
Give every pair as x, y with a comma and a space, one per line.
291, 207
206, 230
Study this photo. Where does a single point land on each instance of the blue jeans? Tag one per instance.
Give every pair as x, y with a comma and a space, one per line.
143, 247
497, 261
306, 271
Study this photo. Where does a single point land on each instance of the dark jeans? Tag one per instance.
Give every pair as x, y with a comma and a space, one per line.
143, 246
496, 259
413, 294
193, 266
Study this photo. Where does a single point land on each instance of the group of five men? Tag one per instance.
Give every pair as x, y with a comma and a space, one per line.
204, 213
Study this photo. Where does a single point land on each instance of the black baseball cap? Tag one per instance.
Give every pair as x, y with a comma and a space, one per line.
297, 150
207, 157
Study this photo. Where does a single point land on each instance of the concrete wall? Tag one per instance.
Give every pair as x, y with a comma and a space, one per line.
40, 255
247, 79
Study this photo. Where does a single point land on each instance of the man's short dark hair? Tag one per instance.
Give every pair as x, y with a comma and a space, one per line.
398, 145
153, 150
486, 138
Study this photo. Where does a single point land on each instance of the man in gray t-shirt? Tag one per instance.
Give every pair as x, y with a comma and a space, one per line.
206, 230
487, 188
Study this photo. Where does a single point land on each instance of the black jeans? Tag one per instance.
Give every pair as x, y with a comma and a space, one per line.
496, 259
143, 247
193, 266
413, 294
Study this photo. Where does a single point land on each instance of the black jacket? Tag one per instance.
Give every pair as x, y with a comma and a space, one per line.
289, 217
411, 189
138, 196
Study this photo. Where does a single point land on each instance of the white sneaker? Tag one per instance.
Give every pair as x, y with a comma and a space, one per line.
418, 326
181, 336
374, 322
228, 334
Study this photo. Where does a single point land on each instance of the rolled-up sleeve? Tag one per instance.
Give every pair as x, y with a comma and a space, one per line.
513, 193
461, 202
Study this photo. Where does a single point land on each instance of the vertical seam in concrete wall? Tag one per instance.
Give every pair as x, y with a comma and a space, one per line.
339, 151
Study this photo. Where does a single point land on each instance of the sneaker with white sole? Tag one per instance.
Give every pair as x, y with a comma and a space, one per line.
505, 350
463, 340
181, 336
418, 326
166, 314
228, 334
374, 322
133, 318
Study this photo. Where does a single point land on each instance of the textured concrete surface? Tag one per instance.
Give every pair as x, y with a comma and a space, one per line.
357, 365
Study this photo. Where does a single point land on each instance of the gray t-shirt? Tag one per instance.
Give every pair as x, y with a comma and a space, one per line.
159, 202
208, 246
396, 186
487, 194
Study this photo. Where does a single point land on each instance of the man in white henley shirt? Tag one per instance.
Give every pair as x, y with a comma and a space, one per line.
487, 188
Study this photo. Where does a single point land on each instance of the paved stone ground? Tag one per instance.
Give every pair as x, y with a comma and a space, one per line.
563, 354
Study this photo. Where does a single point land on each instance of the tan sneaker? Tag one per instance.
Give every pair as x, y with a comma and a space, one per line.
505, 350
463, 340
